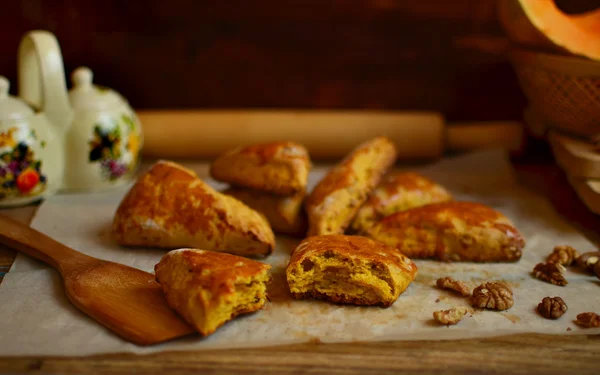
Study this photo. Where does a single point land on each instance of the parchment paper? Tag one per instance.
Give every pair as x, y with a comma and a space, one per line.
37, 319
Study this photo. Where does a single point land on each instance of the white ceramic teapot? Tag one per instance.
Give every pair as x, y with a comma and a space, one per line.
31, 152
32, 128
104, 141
53, 140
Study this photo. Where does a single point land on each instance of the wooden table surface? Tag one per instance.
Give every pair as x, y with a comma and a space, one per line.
515, 354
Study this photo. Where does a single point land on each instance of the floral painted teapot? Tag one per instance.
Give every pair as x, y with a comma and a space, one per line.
31, 153
53, 140
103, 143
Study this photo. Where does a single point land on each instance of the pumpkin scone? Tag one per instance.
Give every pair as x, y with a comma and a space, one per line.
170, 207
452, 231
279, 167
398, 191
348, 269
285, 214
333, 203
209, 288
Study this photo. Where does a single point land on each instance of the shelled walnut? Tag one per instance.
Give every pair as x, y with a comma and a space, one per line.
588, 320
495, 295
449, 283
451, 316
587, 261
564, 255
550, 272
552, 307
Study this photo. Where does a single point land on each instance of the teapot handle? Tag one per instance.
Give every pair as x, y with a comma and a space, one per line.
41, 77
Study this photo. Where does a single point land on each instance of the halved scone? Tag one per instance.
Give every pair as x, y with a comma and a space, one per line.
285, 214
398, 191
333, 203
348, 269
452, 231
279, 167
208, 288
170, 207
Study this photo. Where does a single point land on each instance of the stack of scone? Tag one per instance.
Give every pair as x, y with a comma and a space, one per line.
271, 178
361, 225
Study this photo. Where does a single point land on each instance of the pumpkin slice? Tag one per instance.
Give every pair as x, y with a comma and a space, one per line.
541, 24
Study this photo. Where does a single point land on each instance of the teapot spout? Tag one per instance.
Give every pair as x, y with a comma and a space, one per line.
41, 77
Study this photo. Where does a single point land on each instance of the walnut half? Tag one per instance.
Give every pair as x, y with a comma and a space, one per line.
550, 272
449, 283
588, 320
564, 255
552, 307
451, 316
495, 295
587, 261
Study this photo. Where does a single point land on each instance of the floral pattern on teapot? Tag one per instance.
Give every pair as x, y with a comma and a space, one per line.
20, 172
115, 146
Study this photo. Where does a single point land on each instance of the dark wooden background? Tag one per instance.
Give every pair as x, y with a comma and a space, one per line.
446, 55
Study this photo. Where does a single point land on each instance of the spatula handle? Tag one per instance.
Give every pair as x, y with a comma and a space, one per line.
35, 244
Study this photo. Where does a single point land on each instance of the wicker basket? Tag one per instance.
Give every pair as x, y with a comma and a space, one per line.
564, 91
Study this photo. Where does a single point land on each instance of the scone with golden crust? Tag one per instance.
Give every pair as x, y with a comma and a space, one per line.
452, 231
285, 214
279, 167
398, 191
333, 203
209, 288
170, 207
349, 269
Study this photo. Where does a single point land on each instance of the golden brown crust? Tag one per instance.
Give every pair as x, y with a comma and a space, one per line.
398, 191
285, 214
452, 231
209, 288
279, 167
170, 207
357, 261
333, 203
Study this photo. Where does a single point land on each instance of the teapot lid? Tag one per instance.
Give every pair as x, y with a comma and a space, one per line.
86, 96
12, 108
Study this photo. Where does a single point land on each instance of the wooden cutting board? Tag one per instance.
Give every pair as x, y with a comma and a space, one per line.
581, 162
576, 157
588, 191
199, 134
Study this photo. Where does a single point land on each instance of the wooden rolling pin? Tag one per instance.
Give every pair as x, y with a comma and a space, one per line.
326, 134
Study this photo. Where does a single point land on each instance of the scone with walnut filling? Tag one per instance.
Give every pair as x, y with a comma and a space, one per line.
333, 203
208, 288
398, 191
285, 214
348, 269
170, 207
279, 167
452, 231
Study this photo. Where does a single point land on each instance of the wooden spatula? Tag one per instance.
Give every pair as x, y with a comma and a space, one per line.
126, 300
